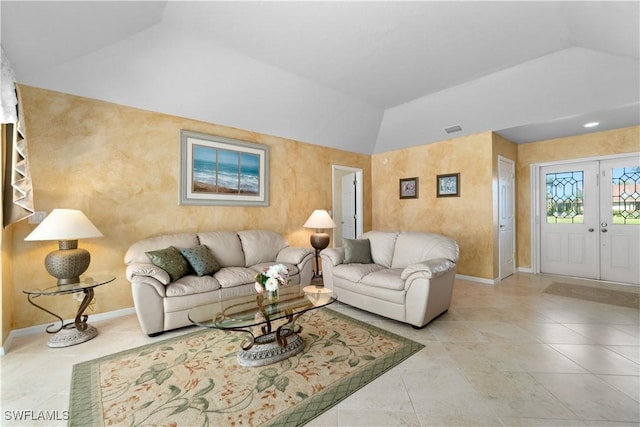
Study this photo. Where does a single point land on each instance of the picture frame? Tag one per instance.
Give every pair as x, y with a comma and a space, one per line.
409, 188
448, 185
215, 170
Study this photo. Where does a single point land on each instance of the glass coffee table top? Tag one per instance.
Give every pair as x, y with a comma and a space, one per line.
241, 314
256, 309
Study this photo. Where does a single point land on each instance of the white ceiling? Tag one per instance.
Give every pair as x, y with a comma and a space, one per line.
363, 76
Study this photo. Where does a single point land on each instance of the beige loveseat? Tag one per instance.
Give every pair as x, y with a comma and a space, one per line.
220, 264
406, 276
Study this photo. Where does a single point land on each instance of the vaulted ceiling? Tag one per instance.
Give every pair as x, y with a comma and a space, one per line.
363, 76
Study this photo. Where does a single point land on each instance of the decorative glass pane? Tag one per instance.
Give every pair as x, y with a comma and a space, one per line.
626, 195
565, 197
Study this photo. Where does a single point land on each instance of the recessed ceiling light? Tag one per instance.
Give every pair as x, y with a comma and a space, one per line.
591, 124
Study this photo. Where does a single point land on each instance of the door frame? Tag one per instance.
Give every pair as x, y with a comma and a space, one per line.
513, 219
336, 172
535, 199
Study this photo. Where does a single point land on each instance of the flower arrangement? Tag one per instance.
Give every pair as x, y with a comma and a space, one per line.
272, 278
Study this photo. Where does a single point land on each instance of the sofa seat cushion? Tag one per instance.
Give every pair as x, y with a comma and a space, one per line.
229, 277
382, 294
260, 268
389, 278
191, 284
355, 272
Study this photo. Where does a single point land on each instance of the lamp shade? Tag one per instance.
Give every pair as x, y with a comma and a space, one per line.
64, 224
320, 219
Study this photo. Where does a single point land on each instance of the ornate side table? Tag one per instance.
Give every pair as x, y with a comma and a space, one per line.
79, 330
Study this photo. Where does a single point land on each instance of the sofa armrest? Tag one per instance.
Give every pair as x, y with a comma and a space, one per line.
293, 256
147, 270
334, 255
432, 268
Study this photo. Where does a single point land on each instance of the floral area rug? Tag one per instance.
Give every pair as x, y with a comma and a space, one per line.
195, 379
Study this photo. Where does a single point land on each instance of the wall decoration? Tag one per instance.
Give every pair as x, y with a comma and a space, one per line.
409, 188
448, 185
222, 171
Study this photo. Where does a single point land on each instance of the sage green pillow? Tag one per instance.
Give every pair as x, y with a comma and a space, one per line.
201, 259
357, 251
170, 260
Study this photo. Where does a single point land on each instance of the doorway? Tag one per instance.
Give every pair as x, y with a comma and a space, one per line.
347, 203
506, 217
589, 219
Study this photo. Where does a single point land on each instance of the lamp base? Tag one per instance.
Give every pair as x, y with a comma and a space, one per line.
319, 241
68, 262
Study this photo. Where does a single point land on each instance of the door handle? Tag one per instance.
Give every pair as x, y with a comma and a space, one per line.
604, 230
591, 230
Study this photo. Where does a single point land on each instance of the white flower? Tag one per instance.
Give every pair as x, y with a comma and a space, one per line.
271, 284
277, 271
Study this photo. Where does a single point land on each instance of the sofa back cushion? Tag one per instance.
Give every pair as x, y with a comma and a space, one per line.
413, 247
261, 246
382, 246
137, 252
225, 247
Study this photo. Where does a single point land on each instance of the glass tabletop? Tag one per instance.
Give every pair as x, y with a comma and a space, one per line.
86, 282
254, 309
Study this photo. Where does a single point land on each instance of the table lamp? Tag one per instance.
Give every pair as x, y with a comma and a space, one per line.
67, 226
319, 220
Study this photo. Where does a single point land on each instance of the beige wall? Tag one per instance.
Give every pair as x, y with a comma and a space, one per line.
606, 143
120, 166
468, 218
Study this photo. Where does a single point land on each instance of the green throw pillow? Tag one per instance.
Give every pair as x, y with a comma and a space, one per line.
357, 251
170, 260
201, 259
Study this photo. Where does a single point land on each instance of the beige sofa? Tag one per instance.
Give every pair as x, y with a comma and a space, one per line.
406, 276
162, 302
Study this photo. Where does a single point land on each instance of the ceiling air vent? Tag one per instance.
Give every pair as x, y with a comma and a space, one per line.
453, 129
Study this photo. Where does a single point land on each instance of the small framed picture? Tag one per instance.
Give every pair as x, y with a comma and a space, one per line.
409, 188
448, 185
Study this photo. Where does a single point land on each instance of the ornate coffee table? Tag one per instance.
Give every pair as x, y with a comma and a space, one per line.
241, 314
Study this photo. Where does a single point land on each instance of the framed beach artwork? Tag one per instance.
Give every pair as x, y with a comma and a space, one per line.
448, 185
222, 171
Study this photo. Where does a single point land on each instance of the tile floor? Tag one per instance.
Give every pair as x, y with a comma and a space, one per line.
503, 355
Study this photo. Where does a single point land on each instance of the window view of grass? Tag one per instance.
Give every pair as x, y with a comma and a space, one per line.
565, 197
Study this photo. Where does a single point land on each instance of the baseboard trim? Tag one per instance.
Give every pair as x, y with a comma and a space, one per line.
525, 270
4, 349
477, 279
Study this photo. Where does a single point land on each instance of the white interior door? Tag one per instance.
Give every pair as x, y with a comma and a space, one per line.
348, 220
620, 220
590, 219
568, 220
348, 203
506, 216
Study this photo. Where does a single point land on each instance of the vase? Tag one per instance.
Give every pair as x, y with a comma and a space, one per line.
272, 296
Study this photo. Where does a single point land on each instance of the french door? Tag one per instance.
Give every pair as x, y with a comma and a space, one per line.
590, 219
